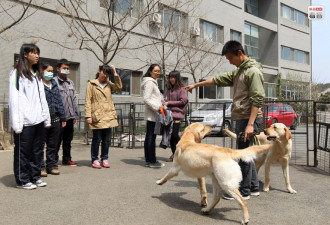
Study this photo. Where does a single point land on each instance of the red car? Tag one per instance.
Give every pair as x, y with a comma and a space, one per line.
281, 113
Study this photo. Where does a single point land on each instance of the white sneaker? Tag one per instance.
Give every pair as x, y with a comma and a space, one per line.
227, 197
40, 183
256, 193
27, 186
156, 165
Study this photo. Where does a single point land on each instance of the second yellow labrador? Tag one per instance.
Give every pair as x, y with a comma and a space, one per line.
280, 153
201, 160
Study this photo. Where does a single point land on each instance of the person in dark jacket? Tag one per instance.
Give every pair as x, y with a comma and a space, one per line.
58, 120
177, 101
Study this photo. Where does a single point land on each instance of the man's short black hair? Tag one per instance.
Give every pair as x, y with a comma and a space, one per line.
232, 47
63, 62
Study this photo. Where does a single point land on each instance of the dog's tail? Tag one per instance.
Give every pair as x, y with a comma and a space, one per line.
230, 133
249, 154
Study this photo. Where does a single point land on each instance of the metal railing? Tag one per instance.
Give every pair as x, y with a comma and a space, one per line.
311, 137
322, 135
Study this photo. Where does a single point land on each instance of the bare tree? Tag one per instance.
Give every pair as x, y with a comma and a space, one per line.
299, 85
167, 34
200, 59
13, 12
102, 27
174, 46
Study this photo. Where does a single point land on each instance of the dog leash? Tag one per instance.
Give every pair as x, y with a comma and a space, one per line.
255, 140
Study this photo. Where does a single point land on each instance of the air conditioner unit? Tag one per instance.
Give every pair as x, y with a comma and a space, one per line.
156, 18
195, 31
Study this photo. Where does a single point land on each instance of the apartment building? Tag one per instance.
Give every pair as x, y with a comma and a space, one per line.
276, 33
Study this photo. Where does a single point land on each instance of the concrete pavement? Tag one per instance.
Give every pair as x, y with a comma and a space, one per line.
127, 194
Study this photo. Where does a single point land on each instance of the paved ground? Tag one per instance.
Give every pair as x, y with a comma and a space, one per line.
126, 193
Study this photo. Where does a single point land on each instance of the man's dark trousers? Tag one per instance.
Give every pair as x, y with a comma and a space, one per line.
66, 137
250, 182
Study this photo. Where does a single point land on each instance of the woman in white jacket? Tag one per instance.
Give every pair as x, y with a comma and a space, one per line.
152, 100
29, 114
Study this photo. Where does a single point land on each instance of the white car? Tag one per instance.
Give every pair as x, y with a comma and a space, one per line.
211, 113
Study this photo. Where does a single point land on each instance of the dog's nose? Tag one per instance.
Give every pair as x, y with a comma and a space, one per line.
265, 131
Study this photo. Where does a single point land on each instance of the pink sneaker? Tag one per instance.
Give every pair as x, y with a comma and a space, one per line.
96, 164
105, 163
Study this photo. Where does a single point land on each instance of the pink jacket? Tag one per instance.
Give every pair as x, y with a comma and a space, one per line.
177, 101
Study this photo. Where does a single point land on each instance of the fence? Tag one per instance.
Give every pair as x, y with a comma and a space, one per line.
301, 128
322, 135
310, 134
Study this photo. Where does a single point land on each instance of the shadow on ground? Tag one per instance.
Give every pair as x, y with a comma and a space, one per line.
8, 180
176, 201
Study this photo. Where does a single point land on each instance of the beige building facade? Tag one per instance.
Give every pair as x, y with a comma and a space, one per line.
276, 33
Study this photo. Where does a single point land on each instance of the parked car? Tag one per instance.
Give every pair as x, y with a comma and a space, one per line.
281, 113
211, 113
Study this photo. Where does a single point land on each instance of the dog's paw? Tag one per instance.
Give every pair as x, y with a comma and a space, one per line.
292, 191
266, 189
206, 211
160, 182
244, 223
203, 202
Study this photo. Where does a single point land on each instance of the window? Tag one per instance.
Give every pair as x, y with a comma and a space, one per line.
288, 108
272, 108
131, 81
251, 6
211, 32
300, 56
130, 7
294, 55
300, 17
270, 90
286, 12
235, 35
174, 19
211, 92
294, 15
251, 34
286, 53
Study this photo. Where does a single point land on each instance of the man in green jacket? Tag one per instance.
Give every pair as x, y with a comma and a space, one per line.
247, 81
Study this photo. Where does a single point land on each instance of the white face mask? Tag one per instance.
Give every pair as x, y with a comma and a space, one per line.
66, 72
48, 75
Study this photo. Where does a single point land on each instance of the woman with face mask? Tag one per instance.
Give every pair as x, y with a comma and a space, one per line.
57, 115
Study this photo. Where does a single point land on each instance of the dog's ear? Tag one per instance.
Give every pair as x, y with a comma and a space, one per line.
288, 134
198, 138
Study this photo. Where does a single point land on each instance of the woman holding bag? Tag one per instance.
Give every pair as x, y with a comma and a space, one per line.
152, 99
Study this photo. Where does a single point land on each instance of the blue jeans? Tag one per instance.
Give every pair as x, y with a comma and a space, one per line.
250, 180
150, 143
98, 136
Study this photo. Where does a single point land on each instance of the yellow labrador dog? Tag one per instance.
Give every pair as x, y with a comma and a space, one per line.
280, 153
200, 160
